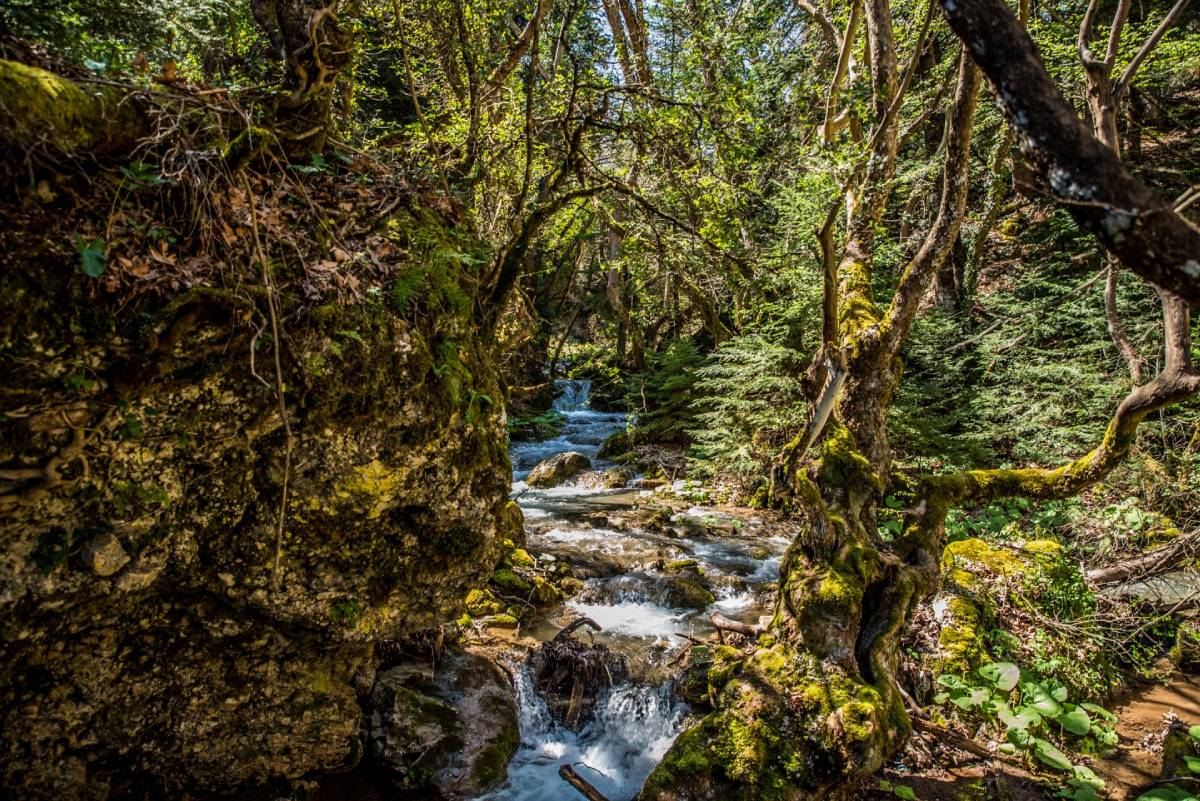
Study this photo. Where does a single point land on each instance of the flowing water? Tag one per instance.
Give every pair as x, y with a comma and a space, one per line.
637, 721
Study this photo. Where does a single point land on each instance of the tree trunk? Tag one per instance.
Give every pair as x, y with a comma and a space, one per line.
43, 111
314, 46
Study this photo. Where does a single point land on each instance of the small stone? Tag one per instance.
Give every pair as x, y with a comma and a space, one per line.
104, 555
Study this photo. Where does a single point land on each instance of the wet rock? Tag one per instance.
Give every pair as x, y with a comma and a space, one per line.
557, 469
452, 729
686, 592
615, 477
687, 566
104, 555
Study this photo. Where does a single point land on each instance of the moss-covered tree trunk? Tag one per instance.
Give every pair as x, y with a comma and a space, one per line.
816, 705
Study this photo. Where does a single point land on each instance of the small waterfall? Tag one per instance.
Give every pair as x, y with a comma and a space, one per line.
632, 730
575, 394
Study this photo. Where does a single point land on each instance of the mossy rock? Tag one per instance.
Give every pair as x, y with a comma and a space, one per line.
545, 593
785, 727
502, 621
481, 602
684, 592
510, 583
617, 443
688, 566
570, 586
519, 557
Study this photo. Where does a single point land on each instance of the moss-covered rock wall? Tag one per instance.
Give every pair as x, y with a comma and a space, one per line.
160, 634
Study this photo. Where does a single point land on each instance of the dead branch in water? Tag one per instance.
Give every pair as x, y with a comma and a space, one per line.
572, 777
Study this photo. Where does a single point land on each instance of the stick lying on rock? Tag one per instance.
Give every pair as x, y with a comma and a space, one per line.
722, 624
581, 784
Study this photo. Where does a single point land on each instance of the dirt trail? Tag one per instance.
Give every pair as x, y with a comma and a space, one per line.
1141, 725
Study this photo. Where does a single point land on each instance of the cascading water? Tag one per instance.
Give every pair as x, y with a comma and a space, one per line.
637, 720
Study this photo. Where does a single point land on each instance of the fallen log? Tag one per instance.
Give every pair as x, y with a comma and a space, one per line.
572, 777
41, 110
1158, 561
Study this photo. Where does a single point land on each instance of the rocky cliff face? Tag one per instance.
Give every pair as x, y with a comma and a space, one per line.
163, 636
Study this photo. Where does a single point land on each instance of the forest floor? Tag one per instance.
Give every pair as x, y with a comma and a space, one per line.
936, 770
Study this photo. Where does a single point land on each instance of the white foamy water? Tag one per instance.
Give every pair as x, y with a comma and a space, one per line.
637, 619
632, 730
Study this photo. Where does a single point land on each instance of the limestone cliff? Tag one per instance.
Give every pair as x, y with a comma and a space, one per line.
162, 636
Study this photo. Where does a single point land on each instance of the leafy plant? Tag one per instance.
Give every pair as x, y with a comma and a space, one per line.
1028, 709
91, 255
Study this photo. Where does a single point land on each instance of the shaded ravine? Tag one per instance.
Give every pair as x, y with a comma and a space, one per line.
629, 595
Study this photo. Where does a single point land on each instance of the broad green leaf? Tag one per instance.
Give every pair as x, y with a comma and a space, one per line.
1049, 755
1087, 776
1075, 721
1019, 737
1099, 712
91, 256
1167, 792
1038, 697
905, 792
1193, 763
1002, 675
1194, 731
1022, 718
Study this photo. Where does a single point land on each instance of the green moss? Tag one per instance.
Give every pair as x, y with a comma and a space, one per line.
482, 602
683, 566
511, 583
1044, 547
545, 593
519, 557
974, 553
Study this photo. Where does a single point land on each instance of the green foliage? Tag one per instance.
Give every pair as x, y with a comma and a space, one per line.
91, 256
1032, 713
53, 547
346, 611
662, 395
748, 404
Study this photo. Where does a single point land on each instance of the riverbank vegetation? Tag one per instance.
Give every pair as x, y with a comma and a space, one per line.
283, 278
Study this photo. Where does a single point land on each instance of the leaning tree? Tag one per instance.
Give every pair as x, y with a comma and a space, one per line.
817, 703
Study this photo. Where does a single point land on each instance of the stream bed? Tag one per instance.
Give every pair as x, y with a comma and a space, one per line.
600, 533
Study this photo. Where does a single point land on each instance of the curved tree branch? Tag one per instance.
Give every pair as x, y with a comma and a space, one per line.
1082, 175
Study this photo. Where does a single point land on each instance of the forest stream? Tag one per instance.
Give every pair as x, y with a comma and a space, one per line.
597, 531
620, 400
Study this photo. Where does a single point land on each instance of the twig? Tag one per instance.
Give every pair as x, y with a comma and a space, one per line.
260, 256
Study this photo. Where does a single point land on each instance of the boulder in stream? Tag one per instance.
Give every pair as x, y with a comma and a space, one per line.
452, 729
557, 469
